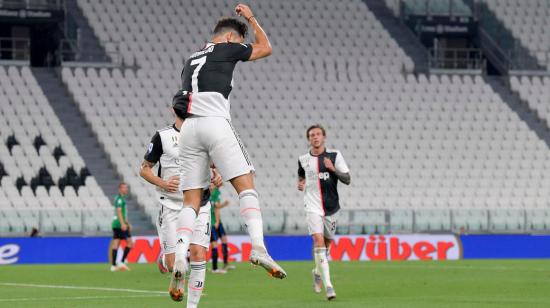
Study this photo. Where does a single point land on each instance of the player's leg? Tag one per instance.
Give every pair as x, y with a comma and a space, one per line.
315, 228
127, 248
170, 221
214, 245
115, 242
194, 176
252, 216
329, 229
233, 162
199, 245
122, 236
225, 250
250, 211
161, 262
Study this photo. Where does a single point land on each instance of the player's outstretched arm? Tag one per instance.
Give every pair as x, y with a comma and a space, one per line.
261, 47
146, 172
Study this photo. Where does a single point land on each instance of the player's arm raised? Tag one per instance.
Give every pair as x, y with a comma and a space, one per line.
146, 172
261, 47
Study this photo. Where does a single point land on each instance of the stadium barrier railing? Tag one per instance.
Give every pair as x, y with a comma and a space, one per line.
15, 49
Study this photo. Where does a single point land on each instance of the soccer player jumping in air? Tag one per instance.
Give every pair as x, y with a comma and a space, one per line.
207, 135
318, 174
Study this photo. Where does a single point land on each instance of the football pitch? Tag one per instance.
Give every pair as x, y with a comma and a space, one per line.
358, 284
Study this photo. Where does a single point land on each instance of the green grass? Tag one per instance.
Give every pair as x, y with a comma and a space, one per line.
358, 284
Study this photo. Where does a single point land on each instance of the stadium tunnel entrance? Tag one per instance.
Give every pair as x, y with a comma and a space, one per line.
30, 34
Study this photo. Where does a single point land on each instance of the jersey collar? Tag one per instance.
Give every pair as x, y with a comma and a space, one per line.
324, 151
174, 127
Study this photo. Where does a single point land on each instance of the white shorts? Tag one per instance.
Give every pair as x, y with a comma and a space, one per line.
210, 139
322, 224
168, 222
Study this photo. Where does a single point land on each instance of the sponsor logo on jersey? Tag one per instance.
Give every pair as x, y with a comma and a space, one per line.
324, 176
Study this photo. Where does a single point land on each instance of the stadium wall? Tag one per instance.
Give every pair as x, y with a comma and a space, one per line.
291, 248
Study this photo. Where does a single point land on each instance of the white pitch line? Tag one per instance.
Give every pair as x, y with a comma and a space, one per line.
74, 298
79, 288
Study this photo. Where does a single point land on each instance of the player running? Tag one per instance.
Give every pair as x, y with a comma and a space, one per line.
218, 231
318, 173
208, 135
121, 230
163, 150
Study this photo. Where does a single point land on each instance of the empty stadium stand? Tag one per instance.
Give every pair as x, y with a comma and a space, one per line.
427, 153
44, 181
536, 92
528, 23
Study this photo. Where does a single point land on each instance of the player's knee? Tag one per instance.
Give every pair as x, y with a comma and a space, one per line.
115, 244
243, 183
318, 240
198, 253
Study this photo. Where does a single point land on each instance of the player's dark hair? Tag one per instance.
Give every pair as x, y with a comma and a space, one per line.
121, 183
314, 127
230, 24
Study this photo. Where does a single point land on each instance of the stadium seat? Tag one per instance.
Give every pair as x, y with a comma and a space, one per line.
32, 148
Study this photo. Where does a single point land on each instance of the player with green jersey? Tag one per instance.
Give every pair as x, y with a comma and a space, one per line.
121, 229
218, 232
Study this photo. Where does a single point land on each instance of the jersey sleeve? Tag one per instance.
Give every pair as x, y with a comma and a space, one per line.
237, 52
301, 171
340, 163
154, 150
119, 202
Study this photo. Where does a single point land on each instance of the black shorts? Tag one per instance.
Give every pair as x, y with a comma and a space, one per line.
121, 235
217, 233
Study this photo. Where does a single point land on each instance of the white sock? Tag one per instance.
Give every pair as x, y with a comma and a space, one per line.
196, 283
321, 262
184, 230
250, 212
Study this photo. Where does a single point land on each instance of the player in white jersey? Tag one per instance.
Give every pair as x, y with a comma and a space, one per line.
208, 135
163, 150
318, 174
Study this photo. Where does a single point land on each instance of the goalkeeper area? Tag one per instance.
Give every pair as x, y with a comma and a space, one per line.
465, 283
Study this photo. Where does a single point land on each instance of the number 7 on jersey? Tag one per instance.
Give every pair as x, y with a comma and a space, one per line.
199, 62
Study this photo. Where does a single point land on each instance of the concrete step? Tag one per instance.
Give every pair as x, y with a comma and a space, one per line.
404, 37
89, 45
500, 86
